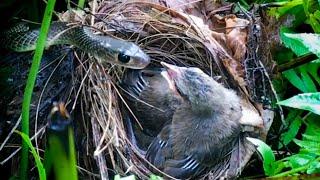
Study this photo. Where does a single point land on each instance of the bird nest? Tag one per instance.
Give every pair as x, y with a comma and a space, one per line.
206, 34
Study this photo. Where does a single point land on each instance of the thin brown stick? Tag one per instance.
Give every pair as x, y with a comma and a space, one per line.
296, 62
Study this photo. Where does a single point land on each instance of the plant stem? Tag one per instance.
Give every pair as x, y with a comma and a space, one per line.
297, 62
30, 84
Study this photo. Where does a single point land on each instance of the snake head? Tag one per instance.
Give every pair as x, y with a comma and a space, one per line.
120, 52
111, 50
132, 56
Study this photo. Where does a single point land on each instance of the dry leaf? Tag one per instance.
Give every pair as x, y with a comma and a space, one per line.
236, 33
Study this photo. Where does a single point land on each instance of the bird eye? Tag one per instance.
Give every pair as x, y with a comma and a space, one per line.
123, 58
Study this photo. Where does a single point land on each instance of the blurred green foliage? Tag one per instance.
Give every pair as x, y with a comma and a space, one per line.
302, 117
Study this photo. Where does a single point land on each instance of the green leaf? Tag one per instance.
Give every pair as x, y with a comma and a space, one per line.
280, 166
285, 8
295, 80
301, 79
313, 68
310, 6
313, 125
310, 146
307, 160
306, 101
311, 87
300, 159
301, 42
305, 83
313, 137
305, 6
269, 163
81, 4
289, 135
314, 167
314, 20
295, 45
41, 170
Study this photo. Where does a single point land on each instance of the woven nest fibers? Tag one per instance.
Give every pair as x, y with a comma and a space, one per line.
201, 34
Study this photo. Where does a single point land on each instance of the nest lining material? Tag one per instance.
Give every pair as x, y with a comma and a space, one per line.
173, 34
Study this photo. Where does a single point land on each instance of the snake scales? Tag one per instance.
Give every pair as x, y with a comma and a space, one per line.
23, 37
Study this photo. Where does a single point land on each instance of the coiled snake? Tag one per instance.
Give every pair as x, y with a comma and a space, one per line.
23, 38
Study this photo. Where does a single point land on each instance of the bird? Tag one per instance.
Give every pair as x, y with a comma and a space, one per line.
60, 153
149, 97
204, 127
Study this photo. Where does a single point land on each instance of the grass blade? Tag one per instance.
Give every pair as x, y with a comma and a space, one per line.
30, 84
41, 170
81, 4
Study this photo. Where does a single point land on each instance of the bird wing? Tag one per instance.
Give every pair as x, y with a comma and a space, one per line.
183, 168
160, 154
186, 150
159, 148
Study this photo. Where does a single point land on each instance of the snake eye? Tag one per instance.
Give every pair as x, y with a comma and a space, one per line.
123, 58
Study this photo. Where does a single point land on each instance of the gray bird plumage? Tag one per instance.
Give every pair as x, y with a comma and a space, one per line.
148, 95
203, 130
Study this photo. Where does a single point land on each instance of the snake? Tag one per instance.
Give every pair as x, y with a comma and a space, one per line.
23, 37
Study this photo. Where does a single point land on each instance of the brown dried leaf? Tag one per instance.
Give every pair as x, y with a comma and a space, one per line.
236, 71
212, 40
187, 6
236, 33
236, 40
211, 5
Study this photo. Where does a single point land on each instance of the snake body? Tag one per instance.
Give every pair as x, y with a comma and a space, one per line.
23, 37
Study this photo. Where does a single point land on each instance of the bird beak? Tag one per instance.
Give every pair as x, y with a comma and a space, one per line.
59, 111
173, 71
171, 74
170, 81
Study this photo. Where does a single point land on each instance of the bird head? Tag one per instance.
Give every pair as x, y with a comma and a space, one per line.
58, 118
202, 92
